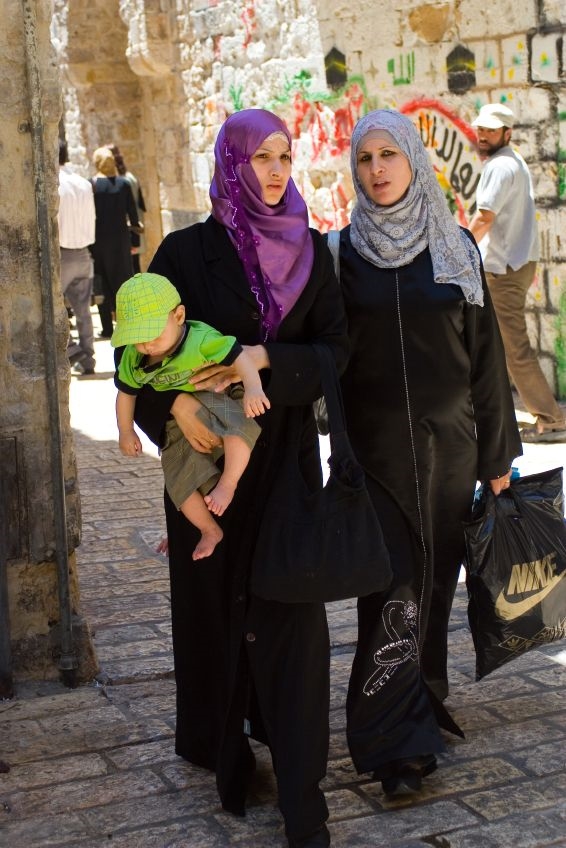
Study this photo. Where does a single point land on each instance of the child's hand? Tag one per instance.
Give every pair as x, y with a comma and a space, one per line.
255, 403
163, 546
129, 443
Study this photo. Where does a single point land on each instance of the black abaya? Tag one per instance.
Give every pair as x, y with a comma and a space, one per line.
244, 665
429, 412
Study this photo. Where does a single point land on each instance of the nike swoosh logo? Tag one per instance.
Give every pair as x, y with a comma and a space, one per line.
510, 611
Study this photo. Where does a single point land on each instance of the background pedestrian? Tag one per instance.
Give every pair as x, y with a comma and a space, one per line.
505, 228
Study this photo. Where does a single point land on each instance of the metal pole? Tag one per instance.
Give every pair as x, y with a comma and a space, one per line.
68, 661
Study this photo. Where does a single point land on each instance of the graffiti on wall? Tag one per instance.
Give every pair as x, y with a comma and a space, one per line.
402, 69
451, 143
321, 125
327, 118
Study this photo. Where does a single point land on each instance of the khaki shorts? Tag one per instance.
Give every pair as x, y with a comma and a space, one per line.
185, 469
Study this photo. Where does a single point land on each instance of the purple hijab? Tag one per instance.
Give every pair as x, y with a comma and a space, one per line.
273, 242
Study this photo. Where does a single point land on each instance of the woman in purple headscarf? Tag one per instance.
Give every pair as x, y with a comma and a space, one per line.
247, 667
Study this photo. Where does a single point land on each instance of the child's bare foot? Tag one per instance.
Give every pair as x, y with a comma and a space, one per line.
208, 542
220, 497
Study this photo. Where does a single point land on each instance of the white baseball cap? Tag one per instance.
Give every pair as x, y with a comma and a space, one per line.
493, 116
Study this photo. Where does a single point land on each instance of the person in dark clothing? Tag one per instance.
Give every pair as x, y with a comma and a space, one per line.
116, 213
247, 667
429, 412
136, 237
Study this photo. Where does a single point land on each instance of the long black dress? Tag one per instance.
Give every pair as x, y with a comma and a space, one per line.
115, 211
429, 411
243, 664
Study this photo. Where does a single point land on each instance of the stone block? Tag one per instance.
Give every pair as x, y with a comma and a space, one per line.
543, 759
552, 12
547, 56
522, 797
547, 141
496, 21
44, 830
150, 807
505, 740
37, 774
442, 817
556, 281
527, 706
515, 60
553, 227
488, 67
532, 104
145, 754
545, 180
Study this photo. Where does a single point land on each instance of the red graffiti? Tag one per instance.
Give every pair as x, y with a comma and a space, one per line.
248, 19
329, 130
438, 106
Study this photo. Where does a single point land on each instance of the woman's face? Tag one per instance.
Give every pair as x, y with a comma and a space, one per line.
383, 169
272, 166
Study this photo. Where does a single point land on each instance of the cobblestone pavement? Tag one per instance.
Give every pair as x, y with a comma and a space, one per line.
96, 766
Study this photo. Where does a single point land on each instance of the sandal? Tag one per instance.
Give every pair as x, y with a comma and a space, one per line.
548, 434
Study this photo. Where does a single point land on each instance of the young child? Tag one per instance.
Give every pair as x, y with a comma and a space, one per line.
164, 351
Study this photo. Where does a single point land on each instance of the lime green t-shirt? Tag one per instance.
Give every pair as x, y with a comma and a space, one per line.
202, 345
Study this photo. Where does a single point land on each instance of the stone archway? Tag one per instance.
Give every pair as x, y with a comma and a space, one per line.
104, 101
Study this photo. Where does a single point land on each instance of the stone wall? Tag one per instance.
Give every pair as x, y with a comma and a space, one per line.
33, 320
159, 78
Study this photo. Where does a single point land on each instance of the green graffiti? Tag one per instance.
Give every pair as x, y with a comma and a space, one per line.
236, 97
298, 84
301, 83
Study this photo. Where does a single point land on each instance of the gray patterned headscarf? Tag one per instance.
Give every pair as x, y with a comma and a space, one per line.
392, 236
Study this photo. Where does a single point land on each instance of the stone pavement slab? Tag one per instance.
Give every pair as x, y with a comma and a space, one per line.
96, 766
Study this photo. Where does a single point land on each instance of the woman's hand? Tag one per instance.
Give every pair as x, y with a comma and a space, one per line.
501, 483
184, 411
216, 378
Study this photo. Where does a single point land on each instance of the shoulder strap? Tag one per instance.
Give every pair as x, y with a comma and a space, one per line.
333, 241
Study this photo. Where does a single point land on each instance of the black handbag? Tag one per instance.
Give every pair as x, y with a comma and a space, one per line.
516, 569
323, 545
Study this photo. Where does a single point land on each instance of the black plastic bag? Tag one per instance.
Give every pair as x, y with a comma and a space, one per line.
516, 569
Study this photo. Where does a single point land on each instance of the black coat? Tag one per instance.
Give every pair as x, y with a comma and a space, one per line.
221, 676
429, 411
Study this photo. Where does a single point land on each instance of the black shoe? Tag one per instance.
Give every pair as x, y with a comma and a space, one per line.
77, 357
407, 775
319, 839
78, 370
103, 336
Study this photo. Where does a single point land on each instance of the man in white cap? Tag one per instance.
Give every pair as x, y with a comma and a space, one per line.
505, 228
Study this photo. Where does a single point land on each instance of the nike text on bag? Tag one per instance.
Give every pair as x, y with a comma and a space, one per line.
516, 569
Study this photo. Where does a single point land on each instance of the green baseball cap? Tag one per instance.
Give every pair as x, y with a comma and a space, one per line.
143, 304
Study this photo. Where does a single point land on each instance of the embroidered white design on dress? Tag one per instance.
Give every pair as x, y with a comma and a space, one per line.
400, 623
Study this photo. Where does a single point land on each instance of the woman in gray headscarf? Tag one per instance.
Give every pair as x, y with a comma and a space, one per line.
429, 412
